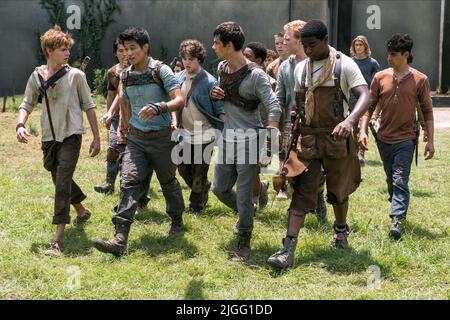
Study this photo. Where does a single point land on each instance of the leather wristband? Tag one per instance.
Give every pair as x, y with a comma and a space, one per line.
20, 125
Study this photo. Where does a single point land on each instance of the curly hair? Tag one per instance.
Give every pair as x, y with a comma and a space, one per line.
194, 49
230, 32
55, 38
400, 42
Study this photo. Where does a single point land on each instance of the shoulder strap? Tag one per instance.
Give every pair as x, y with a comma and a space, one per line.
50, 81
42, 88
337, 78
303, 79
194, 85
156, 75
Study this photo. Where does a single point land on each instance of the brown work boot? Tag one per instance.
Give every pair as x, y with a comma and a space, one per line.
340, 236
243, 248
118, 245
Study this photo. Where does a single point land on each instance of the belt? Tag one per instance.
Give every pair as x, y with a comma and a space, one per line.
309, 130
152, 134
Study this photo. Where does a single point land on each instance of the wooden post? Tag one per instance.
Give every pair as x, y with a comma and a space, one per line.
4, 103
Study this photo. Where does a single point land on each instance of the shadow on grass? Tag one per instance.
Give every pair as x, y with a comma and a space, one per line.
149, 215
76, 243
338, 261
160, 245
194, 290
422, 194
417, 231
374, 163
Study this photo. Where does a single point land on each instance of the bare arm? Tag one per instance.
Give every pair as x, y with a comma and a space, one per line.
22, 133
95, 145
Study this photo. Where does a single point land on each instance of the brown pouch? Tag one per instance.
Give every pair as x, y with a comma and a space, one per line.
335, 149
278, 182
307, 147
50, 150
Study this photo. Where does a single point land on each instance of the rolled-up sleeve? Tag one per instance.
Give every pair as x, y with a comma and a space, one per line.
84, 93
168, 78
31, 95
426, 104
267, 96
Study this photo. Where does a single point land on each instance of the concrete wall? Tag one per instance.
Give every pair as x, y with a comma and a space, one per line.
419, 18
168, 22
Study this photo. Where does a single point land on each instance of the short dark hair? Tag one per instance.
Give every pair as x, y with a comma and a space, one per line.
259, 50
400, 42
139, 35
230, 32
193, 48
314, 28
116, 44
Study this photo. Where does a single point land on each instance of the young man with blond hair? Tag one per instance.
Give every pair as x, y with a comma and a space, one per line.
65, 95
280, 47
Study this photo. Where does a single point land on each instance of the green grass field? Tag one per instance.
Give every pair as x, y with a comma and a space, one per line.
197, 265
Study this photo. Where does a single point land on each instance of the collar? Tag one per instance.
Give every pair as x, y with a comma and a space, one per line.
151, 64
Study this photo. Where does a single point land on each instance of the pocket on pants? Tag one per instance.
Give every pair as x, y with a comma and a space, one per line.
335, 149
307, 147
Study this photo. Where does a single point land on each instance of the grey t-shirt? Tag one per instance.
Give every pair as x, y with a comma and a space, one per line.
68, 99
256, 86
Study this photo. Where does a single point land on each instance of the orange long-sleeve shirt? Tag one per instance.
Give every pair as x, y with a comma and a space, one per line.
398, 102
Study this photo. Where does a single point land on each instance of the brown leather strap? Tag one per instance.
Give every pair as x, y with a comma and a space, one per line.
308, 130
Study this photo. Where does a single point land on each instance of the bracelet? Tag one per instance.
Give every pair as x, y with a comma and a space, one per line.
156, 108
20, 125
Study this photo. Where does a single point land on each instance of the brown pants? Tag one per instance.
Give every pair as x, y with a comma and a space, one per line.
67, 192
342, 173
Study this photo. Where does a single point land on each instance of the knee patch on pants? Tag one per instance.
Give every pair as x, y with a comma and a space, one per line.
333, 200
112, 154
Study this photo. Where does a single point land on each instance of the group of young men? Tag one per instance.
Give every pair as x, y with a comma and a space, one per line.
300, 104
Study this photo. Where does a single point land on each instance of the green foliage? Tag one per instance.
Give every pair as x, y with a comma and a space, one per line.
33, 129
14, 104
96, 17
99, 81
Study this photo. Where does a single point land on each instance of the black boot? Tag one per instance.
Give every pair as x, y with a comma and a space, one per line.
285, 257
396, 228
243, 249
176, 227
321, 209
340, 236
107, 188
118, 245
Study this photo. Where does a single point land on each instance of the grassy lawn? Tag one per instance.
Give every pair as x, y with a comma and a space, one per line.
197, 265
